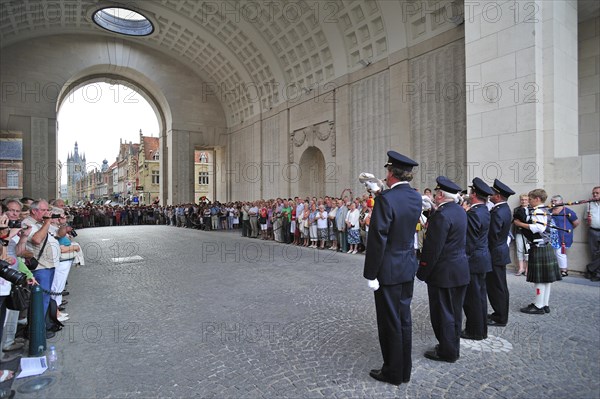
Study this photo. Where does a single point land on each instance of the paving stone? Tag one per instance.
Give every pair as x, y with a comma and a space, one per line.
185, 322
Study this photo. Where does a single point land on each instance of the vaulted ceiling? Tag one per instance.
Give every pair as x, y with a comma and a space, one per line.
267, 47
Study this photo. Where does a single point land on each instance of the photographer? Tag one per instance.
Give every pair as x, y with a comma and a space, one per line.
42, 243
70, 253
10, 229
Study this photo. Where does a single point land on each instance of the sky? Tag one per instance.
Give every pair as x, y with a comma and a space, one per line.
97, 116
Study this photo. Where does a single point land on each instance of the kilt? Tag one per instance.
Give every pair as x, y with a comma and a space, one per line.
542, 266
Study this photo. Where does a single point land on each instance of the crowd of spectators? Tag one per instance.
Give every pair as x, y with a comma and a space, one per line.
340, 224
37, 241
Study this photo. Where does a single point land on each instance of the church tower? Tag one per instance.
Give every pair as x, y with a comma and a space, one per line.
75, 171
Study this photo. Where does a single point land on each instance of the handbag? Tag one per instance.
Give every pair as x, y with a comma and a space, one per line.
19, 298
32, 263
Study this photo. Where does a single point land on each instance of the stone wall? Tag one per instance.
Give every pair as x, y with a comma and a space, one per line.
589, 86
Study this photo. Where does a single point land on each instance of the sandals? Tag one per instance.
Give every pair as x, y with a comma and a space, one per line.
6, 375
564, 273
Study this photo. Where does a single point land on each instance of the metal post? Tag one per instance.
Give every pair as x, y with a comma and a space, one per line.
37, 323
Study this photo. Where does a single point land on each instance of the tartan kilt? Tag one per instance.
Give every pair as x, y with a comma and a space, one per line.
542, 266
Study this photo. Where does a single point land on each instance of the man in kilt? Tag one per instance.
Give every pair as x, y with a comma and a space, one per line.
543, 267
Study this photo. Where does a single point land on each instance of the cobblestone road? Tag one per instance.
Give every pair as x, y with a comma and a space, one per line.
188, 313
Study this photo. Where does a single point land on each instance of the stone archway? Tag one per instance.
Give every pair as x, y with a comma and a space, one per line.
312, 173
134, 81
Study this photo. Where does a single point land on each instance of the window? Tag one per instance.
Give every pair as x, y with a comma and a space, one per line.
155, 177
203, 157
203, 178
155, 156
124, 21
12, 179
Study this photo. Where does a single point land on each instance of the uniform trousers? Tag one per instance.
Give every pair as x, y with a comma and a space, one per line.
497, 291
394, 324
445, 311
475, 306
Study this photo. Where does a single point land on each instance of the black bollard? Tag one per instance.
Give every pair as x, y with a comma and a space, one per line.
37, 323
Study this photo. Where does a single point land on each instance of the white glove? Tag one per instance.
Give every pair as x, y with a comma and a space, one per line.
427, 203
374, 284
373, 187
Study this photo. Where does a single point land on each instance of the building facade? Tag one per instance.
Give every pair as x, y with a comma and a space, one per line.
11, 165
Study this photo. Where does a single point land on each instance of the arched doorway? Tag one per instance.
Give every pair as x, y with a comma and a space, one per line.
312, 173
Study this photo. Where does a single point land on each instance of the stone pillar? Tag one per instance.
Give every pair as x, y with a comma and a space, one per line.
181, 166
39, 154
165, 198
521, 74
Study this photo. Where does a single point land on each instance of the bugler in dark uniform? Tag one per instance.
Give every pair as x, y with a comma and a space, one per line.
480, 262
390, 267
500, 224
445, 269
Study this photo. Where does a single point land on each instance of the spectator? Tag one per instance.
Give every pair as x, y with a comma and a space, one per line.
522, 245
593, 221
352, 226
322, 232
566, 220
44, 247
340, 224
332, 225
312, 223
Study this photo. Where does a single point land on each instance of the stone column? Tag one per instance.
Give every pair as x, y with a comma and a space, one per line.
521, 74
39, 155
181, 166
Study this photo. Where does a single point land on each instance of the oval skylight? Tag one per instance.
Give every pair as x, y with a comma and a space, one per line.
124, 21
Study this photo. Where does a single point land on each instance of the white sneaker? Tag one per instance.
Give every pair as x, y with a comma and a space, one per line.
354, 252
349, 252
63, 318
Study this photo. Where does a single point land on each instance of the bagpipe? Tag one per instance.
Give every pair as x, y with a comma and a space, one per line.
524, 215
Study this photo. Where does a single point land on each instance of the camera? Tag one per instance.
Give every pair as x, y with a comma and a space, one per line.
73, 233
14, 224
12, 275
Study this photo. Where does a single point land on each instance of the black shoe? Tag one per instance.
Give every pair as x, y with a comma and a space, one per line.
65, 293
494, 323
546, 309
377, 371
378, 375
61, 308
532, 309
433, 355
50, 334
465, 335
64, 302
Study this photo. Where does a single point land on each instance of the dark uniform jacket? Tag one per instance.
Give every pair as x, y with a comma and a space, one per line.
478, 226
391, 255
500, 224
443, 259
